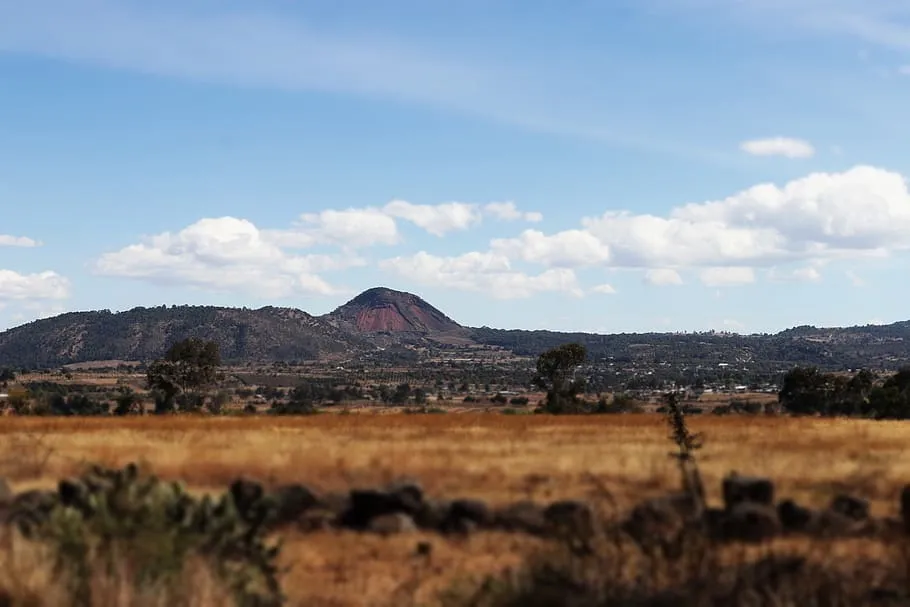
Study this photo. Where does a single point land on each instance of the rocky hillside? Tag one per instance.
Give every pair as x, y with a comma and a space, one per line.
145, 333
381, 310
394, 320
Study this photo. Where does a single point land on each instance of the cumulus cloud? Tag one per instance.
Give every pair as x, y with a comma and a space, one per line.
605, 289
778, 146
489, 273
806, 274
224, 253
567, 249
436, 219
727, 276
507, 211
662, 277
16, 287
349, 228
858, 213
17, 241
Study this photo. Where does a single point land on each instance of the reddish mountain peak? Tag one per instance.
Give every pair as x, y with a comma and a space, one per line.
385, 310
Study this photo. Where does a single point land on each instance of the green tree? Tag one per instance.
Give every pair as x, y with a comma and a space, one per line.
127, 402
6, 376
556, 371
184, 376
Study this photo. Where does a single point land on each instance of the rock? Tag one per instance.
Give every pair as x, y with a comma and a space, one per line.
317, 519
524, 516
739, 489
750, 522
246, 494
388, 524
854, 508
409, 495
465, 515
833, 524
905, 507
432, 515
658, 517
291, 501
794, 517
570, 516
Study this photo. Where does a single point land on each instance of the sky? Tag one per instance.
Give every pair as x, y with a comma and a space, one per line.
582, 165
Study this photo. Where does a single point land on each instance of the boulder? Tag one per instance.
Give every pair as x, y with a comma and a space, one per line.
793, 517
290, 502
389, 524
854, 508
659, 517
750, 522
464, 515
524, 516
570, 517
739, 489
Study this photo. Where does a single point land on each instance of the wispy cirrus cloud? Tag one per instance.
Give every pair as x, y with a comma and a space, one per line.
273, 47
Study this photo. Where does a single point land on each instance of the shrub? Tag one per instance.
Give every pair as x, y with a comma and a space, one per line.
129, 523
519, 400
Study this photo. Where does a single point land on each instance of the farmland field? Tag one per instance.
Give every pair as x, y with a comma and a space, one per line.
497, 458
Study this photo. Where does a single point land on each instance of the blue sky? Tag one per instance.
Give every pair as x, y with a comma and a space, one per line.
604, 166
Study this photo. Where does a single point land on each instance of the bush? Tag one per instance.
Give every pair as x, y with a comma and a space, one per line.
520, 401
130, 523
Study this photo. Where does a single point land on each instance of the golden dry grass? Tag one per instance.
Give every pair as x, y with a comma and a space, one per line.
495, 457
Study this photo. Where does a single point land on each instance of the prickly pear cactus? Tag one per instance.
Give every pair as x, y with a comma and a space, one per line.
109, 516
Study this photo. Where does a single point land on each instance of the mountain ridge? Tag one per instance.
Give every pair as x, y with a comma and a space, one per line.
382, 318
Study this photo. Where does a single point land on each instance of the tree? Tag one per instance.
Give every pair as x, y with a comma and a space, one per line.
556, 369
805, 391
6, 376
127, 402
184, 376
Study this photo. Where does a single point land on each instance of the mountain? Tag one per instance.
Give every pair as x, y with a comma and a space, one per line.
382, 310
242, 334
395, 321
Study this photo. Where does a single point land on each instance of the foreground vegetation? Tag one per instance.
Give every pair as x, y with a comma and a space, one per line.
612, 463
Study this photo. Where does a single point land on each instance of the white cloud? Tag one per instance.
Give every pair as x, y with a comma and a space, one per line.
863, 212
605, 289
17, 241
567, 249
30, 287
488, 273
779, 146
507, 211
436, 219
806, 274
904, 70
662, 277
727, 276
349, 228
855, 279
224, 253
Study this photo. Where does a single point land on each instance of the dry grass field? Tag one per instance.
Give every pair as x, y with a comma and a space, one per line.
493, 457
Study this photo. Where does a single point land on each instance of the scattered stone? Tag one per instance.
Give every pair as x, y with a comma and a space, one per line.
465, 515
852, 507
739, 489
317, 519
571, 517
750, 522
389, 524
659, 517
524, 516
291, 501
794, 517
905, 507
409, 495
246, 495
432, 515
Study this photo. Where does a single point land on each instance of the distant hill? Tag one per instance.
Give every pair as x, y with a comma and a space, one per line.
382, 310
146, 333
384, 318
